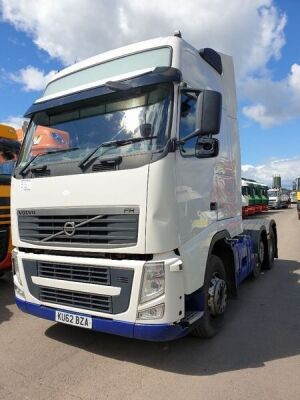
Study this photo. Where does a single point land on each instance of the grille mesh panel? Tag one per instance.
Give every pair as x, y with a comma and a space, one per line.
76, 273
76, 299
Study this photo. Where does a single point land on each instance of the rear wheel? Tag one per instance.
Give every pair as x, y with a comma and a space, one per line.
215, 299
259, 259
271, 250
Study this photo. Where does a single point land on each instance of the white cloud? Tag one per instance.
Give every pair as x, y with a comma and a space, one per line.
32, 78
14, 121
288, 169
275, 102
252, 31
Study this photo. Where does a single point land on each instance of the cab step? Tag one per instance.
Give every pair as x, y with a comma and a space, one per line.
191, 318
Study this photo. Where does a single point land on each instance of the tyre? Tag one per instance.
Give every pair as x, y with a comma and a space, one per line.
271, 251
261, 257
215, 299
259, 249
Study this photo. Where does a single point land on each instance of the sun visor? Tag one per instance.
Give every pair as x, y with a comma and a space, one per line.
158, 75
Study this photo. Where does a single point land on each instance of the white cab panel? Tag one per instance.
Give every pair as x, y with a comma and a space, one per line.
121, 188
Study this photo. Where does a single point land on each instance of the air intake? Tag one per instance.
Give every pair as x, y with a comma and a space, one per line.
212, 58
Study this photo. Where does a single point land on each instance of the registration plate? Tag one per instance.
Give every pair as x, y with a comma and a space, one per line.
73, 319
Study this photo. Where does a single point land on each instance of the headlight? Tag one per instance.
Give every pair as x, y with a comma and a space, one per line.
153, 283
15, 268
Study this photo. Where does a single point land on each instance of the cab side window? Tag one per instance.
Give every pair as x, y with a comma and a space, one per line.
187, 123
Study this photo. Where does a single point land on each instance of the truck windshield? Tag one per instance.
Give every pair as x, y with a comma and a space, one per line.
272, 193
78, 131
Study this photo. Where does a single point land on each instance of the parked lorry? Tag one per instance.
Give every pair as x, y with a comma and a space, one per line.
136, 229
248, 200
298, 196
46, 139
9, 147
265, 197
293, 197
278, 198
254, 197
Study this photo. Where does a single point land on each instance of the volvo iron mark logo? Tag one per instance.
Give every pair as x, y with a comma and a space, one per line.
69, 228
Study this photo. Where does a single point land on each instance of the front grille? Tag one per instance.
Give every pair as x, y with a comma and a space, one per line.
4, 232
97, 275
80, 228
76, 273
76, 299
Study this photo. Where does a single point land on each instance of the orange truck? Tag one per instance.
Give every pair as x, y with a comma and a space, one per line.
45, 139
9, 148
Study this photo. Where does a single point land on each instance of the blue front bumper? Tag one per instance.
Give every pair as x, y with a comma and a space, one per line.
157, 332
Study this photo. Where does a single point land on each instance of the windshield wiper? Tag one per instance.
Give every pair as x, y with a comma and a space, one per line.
23, 170
115, 143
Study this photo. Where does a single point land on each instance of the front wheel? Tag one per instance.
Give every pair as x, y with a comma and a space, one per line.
215, 299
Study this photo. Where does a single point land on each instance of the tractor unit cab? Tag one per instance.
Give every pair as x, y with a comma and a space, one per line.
265, 198
257, 197
140, 232
278, 198
274, 196
252, 199
9, 148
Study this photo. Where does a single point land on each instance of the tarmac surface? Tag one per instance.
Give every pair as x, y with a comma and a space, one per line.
256, 355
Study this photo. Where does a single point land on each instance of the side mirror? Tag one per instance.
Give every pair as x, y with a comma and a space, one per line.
209, 111
206, 147
208, 114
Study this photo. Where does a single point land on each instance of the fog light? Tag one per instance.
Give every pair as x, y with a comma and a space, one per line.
155, 312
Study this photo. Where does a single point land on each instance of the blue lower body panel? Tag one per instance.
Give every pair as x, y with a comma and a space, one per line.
154, 332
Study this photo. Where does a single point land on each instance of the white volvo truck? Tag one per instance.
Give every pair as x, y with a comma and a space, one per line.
136, 229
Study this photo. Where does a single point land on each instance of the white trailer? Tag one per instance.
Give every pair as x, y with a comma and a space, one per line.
136, 228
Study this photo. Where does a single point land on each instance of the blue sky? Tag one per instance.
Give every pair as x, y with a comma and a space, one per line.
262, 37
283, 141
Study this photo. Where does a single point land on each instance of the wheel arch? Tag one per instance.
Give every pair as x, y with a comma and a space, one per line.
220, 247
